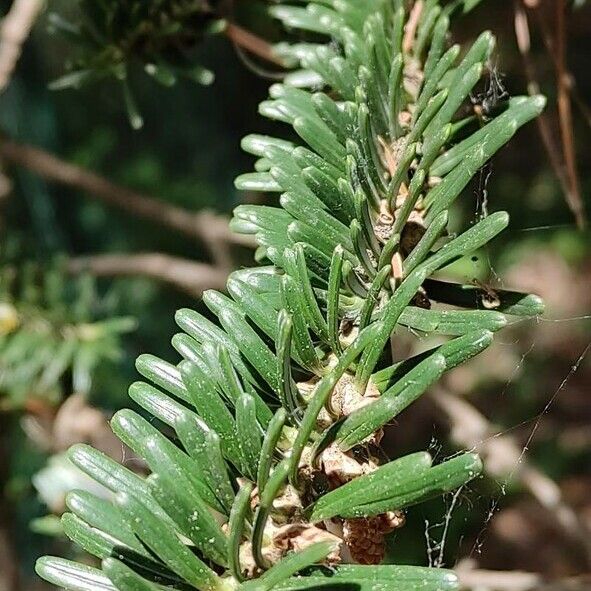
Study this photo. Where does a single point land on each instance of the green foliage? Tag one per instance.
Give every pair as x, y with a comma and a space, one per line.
51, 339
113, 36
290, 388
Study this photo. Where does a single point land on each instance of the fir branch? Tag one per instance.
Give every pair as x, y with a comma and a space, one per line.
291, 384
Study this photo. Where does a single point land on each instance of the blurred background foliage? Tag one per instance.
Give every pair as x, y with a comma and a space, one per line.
531, 390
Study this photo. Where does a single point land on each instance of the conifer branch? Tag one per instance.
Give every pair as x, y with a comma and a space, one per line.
290, 380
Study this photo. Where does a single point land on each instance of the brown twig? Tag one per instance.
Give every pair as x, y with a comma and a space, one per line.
206, 226
253, 44
494, 580
552, 148
574, 198
410, 28
14, 30
561, 156
572, 83
188, 276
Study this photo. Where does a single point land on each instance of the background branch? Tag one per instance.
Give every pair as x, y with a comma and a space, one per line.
571, 81
493, 580
565, 118
561, 154
14, 30
504, 458
206, 226
522, 33
188, 276
253, 44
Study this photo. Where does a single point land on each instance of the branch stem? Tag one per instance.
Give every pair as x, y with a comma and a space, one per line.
565, 118
14, 30
205, 226
253, 44
187, 276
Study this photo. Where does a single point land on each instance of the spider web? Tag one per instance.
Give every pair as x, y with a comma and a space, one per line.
436, 533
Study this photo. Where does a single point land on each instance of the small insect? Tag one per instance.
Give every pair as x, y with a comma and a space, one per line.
326, 570
421, 300
319, 484
489, 298
485, 102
